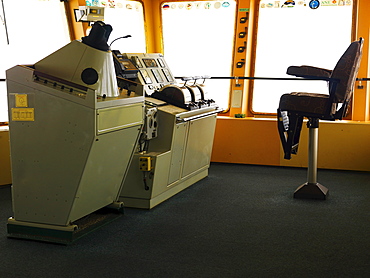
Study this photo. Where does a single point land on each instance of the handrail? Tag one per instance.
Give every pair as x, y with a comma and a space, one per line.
186, 78
258, 78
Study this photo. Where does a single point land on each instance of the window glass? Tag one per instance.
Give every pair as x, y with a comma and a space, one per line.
314, 33
126, 18
29, 31
198, 40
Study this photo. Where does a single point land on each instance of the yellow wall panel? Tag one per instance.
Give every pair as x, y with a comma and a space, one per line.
247, 140
5, 172
342, 145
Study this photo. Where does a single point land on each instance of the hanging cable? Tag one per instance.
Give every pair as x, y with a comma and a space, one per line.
124, 37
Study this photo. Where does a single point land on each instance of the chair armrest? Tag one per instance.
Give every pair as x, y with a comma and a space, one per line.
308, 71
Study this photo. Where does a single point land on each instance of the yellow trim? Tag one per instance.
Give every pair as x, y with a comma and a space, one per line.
342, 145
77, 29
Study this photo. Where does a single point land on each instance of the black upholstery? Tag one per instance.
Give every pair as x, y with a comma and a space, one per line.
295, 106
98, 36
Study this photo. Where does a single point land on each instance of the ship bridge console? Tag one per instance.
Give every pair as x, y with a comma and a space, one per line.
175, 146
93, 129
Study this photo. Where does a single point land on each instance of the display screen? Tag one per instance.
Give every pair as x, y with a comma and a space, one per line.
150, 63
95, 11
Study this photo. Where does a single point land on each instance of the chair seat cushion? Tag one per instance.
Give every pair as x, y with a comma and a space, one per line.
305, 103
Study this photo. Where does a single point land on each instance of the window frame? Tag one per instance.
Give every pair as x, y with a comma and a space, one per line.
232, 55
250, 87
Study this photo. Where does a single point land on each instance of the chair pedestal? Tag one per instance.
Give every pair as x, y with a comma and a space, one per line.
312, 189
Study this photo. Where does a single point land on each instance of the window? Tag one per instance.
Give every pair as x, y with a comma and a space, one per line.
34, 28
126, 18
314, 33
198, 39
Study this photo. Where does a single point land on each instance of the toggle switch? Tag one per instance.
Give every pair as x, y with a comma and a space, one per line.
240, 64
244, 19
242, 48
242, 35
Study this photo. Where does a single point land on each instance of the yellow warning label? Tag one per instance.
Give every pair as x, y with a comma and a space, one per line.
21, 100
23, 114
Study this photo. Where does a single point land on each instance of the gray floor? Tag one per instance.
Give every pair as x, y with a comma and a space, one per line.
241, 221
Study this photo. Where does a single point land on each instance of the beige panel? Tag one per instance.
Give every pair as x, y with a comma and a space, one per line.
178, 147
67, 58
108, 160
133, 185
161, 170
110, 119
156, 179
48, 156
199, 144
61, 169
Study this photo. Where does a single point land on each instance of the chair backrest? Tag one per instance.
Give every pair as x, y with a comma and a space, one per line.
346, 72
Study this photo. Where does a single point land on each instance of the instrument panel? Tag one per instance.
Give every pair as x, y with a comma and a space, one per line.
155, 76
154, 72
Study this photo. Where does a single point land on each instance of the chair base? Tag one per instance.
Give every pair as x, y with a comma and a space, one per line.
311, 191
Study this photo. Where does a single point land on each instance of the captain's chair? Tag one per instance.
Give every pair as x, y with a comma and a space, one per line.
294, 107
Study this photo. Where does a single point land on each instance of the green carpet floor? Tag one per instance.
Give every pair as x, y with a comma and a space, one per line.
241, 221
